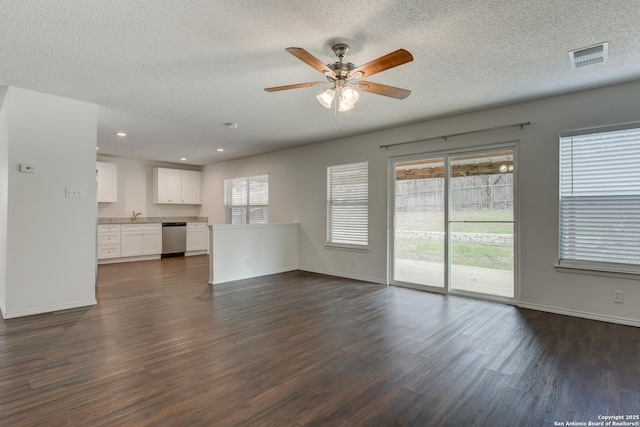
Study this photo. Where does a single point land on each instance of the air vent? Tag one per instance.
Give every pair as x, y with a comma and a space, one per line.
589, 55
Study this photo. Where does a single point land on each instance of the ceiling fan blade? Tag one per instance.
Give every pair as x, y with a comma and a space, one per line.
378, 89
296, 86
311, 60
383, 63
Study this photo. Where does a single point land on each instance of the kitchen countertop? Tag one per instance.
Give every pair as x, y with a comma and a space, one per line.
151, 219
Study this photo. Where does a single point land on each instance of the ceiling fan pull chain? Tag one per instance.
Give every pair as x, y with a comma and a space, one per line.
337, 116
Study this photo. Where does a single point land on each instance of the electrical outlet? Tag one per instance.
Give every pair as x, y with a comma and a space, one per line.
27, 168
353, 262
618, 297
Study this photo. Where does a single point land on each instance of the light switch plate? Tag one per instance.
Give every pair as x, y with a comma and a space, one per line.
71, 193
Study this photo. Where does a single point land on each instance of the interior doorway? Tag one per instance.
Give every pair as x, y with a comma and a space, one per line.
454, 223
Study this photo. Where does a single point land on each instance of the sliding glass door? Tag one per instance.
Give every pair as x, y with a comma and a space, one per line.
419, 244
481, 223
454, 223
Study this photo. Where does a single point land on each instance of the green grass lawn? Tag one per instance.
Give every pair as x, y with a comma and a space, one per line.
477, 255
496, 257
434, 221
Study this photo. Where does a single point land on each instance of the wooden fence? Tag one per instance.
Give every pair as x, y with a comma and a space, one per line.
491, 192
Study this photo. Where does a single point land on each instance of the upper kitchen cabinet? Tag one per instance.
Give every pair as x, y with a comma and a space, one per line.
176, 186
107, 182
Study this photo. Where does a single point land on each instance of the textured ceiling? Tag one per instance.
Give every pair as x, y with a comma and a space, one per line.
171, 73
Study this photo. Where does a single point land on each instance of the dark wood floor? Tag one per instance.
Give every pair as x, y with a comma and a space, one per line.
162, 347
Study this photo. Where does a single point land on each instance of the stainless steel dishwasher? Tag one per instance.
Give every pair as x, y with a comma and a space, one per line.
174, 239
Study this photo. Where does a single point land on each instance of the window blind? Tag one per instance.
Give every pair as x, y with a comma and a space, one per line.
600, 199
348, 204
247, 200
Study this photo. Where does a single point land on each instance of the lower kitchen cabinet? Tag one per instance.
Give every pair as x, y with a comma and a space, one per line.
108, 251
108, 237
197, 236
133, 241
140, 239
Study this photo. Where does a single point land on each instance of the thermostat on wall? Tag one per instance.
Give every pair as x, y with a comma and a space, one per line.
27, 168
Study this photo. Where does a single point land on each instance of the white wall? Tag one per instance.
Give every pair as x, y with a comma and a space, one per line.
50, 239
298, 191
135, 183
283, 206
244, 251
4, 196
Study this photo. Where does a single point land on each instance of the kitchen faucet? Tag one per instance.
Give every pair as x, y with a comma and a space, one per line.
135, 215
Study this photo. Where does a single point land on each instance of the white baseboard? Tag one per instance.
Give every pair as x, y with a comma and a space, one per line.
582, 314
145, 257
3, 308
127, 259
49, 309
346, 276
198, 252
251, 276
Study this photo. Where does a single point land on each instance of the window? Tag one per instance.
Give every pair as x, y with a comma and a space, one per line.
600, 199
246, 200
348, 205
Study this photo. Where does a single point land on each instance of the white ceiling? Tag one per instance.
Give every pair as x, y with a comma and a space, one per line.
171, 73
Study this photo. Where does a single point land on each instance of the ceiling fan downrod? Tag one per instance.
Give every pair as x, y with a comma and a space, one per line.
340, 50
341, 68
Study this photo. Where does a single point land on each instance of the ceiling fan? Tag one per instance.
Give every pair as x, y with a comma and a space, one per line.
345, 77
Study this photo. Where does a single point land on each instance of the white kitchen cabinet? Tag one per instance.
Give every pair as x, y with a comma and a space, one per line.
109, 228
197, 236
130, 241
191, 187
176, 186
108, 251
108, 241
152, 239
140, 239
107, 181
112, 238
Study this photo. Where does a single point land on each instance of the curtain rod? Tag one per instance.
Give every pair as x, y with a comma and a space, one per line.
445, 137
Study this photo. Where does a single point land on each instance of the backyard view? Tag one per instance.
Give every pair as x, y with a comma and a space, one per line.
480, 223
415, 247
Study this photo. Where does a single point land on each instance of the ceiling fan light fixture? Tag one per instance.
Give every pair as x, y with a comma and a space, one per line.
348, 98
326, 98
342, 75
349, 95
345, 107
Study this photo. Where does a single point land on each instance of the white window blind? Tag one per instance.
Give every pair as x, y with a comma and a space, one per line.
600, 199
348, 204
247, 200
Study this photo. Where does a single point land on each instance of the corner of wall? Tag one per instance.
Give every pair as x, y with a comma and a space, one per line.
4, 200
50, 239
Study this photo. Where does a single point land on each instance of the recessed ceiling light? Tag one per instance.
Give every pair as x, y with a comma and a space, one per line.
97, 148
184, 159
220, 149
121, 134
